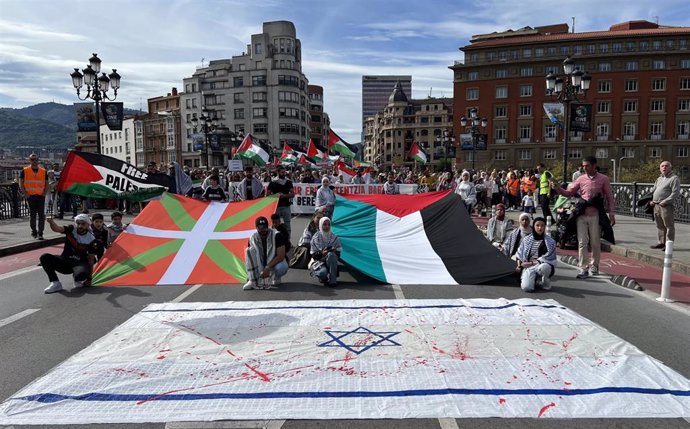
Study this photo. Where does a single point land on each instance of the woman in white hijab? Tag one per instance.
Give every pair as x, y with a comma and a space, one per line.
325, 251
325, 198
512, 243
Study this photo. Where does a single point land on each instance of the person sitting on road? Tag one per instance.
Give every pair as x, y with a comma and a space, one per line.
265, 256
325, 198
536, 258
78, 255
512, 243
325, 251
499, 227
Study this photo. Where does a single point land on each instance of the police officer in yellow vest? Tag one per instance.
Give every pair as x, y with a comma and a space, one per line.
33, 181
545, 190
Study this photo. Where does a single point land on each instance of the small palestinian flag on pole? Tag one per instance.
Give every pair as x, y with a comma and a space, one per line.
289, 156
346, 171
317, 152
418, 154
337, 144
100, 176
249, 150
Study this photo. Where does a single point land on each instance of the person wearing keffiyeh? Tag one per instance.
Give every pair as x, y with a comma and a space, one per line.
265, 256
537, 258
325, 250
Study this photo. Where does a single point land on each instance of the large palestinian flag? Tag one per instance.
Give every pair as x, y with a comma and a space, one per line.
335, 143
179, 240
100, 176
416, 239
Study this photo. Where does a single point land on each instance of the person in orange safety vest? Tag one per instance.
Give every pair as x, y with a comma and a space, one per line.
33, 181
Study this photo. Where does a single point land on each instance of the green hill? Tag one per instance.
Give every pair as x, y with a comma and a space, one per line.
19, 130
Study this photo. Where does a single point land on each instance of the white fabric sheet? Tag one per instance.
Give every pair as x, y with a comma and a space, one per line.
352, 360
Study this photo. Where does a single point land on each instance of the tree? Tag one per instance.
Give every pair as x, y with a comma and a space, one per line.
646, 172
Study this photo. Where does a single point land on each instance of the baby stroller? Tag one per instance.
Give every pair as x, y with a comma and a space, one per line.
566, 227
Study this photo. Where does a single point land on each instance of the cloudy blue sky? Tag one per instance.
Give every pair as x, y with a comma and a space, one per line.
154, 44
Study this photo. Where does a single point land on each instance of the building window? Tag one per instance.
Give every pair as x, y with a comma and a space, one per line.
604, 67
617, 47
258, 96
527, 53
575, 153
239, 113
659, 84
472, 93
658, 105
603, 48
655, 152
501, 92
260, 128
632, 65
682, 152
473, 75
500, 155
603, 130
288, 96
525, 90
683, 129
630, 85
238, 81
501, 111
526, 71
550, 154
682, 44
501, 73
259, 112
238, 97
525, 133
685, 64
565, 50
604, 107
259, 80
629, 129
258, 49
525, 110
602, 153
659, 64
551, 51
500, 133
549, 133
630, 106
286, 112
604, 86
524, 154
539, 52
656, 130
684, 83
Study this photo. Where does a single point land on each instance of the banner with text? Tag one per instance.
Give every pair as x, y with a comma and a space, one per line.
581, 117
113, 114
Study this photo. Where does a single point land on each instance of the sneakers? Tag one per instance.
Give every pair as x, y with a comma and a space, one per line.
53, 287
582, 274
546, 283
276, 281
34, 234
40, 236
658, 246
593, 271
249, 285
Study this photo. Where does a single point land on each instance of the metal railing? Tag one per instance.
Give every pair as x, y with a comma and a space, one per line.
627, 195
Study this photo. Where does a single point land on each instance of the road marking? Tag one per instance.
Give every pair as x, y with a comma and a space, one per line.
448, 424
240, 424
397, 290
186, 293
18, 316
19, 272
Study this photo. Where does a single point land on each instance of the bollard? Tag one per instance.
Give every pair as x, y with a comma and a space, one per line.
493, 211
666, 276
548, 226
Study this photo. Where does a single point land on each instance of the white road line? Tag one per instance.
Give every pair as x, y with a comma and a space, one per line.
397, 290
19, 272
239, 424
18, 316
448, 424
186, 293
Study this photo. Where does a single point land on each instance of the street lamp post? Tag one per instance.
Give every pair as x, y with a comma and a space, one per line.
445, 139
566, 90
475, 123
96, 88
209, 125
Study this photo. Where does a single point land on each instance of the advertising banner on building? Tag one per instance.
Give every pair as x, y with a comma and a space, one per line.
198, 142
481, 141
580, 117
465, 141
555, 112
113, 114
86, 117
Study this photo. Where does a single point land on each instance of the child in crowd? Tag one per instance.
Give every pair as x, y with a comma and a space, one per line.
116, 227
100, 232
214, 192
528, 203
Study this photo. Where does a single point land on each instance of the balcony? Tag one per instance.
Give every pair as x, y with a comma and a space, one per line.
549, 139
500, 141
525, 140
603, 138
656, 136
682, 137
629, 137
576, 138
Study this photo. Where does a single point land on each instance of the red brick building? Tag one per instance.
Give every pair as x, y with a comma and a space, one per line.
640, 92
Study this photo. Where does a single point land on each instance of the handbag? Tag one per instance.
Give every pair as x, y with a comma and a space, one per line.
300, 258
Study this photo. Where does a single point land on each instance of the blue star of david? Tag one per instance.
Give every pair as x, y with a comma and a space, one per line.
374, 339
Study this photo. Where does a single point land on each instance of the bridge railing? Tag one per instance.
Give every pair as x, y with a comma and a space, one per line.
627, 195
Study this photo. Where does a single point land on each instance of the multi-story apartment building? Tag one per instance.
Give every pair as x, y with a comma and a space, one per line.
375, 92
119, 144
389, 134
158, 135
319, 122
640, 92
262, 91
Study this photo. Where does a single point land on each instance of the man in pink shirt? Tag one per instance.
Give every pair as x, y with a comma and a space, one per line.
590, 185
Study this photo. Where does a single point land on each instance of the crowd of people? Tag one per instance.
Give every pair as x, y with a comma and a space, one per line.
270, 254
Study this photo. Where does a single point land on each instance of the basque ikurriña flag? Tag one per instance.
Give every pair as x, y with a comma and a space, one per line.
179, 240
100, 176
416, 239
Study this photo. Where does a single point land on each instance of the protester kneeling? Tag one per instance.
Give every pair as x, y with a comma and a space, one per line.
536, 258
265, 257
325, 251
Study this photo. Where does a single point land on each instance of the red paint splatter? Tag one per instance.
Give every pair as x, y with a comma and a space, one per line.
545, 408
551, 343
269, 351
567, 383
501, 400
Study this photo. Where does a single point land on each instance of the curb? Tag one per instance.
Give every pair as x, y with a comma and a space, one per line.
31, 245
620, 280
645, 257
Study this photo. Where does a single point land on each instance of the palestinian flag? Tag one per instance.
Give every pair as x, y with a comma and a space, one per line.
180, 240
100, 176
317, 152
307, 162
347, 172
289, 155
337, 144
360, 164
249, 150
417, 153
416, 239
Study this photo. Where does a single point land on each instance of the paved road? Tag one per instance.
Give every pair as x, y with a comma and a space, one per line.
54, 327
